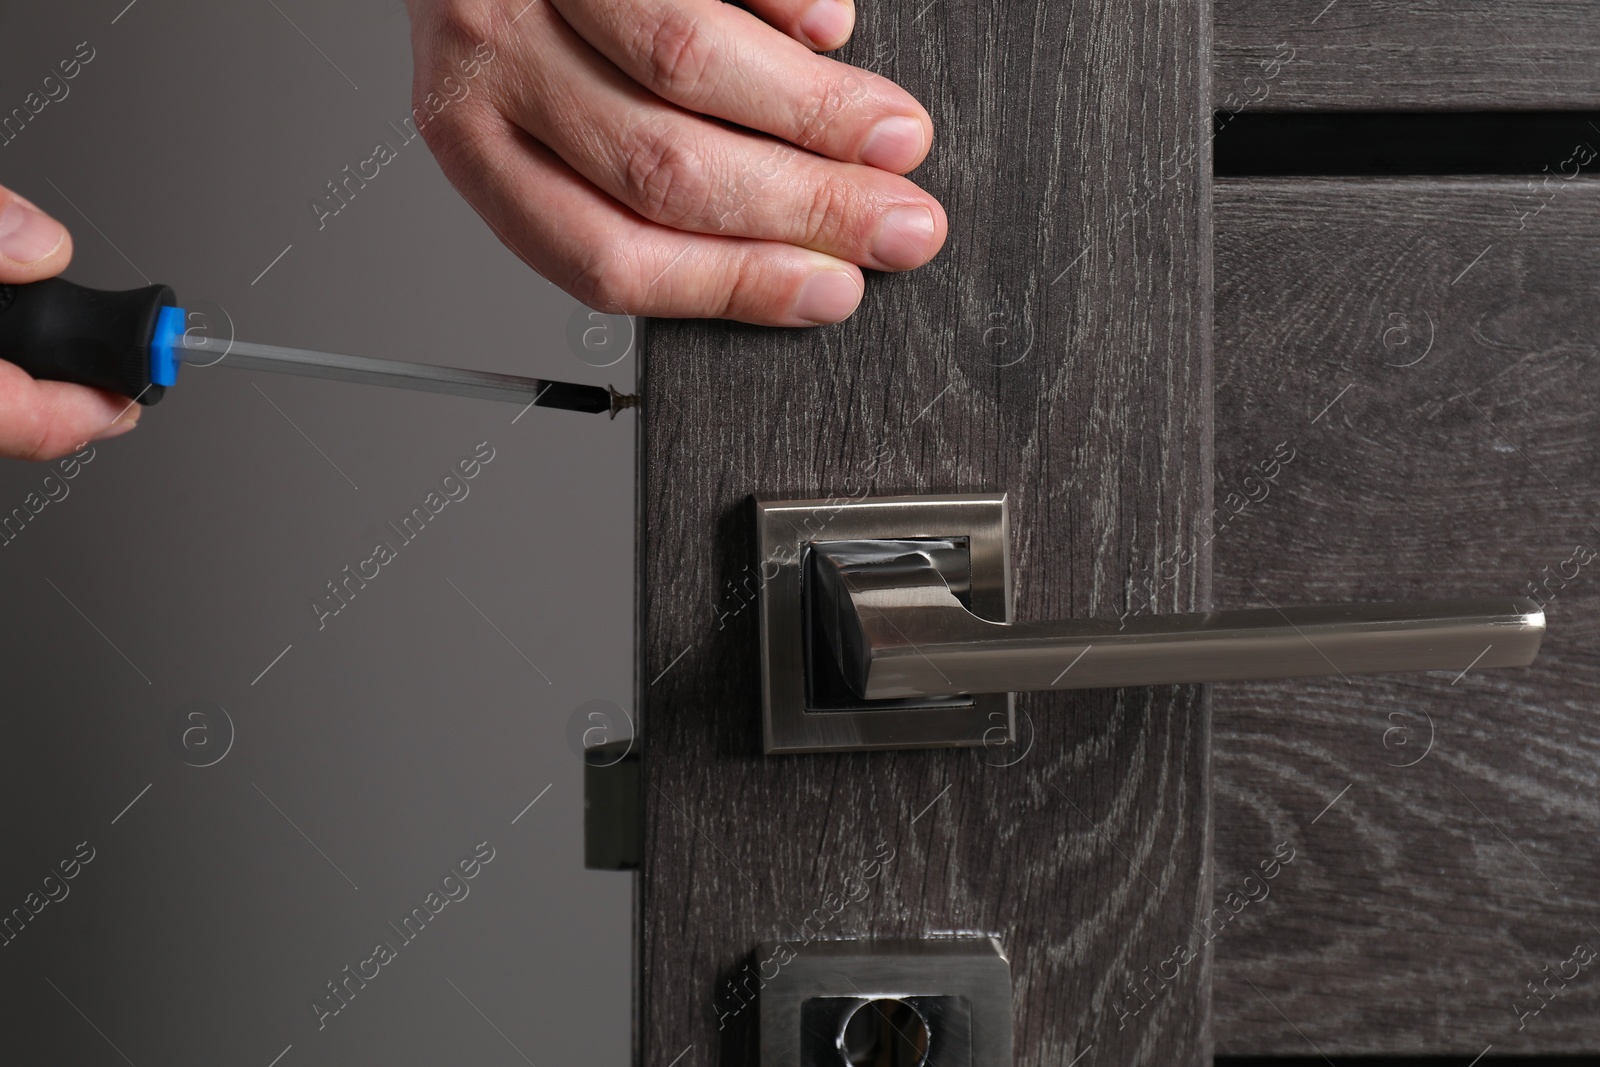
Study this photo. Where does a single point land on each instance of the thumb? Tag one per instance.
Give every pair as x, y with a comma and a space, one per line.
32, 244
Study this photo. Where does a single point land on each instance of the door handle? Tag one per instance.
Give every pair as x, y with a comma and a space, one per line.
887, 623
891, 615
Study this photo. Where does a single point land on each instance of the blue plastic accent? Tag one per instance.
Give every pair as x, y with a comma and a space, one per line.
164, 346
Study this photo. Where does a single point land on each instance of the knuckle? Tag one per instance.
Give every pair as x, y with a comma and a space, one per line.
831, 100
745, 293
444, 29
451, 46
463, 146
831, 208
608, 281
41, 442
442, 135
664, 180
680, 57
450, 138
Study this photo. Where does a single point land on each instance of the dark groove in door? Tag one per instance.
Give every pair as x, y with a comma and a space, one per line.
1564, 144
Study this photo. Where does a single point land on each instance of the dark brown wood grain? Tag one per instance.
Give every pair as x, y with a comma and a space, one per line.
1407, 54
1459, 860
1057, 351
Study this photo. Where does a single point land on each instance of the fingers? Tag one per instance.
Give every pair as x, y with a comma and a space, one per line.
32, 244
715, 59
821, 24
637, 173
688, 173
613, 260
44, 420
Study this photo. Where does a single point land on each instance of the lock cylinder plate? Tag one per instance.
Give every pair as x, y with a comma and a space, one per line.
936, 1002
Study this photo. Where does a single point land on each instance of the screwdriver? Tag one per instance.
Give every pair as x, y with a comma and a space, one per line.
133, 342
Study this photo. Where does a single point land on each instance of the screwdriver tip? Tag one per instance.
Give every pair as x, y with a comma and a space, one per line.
622, 401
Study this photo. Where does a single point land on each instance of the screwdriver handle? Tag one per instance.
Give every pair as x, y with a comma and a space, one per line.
61, 332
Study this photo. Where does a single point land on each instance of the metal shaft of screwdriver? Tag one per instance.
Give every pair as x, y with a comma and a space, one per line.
202, 351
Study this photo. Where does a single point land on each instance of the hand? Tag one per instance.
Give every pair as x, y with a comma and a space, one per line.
681, 158
44, 420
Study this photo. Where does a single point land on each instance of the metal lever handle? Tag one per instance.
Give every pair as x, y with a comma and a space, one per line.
891, 615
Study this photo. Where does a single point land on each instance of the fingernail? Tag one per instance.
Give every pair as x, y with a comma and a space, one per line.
827, 23
27, 234
827, 296
116, 429
894, 144
905, 238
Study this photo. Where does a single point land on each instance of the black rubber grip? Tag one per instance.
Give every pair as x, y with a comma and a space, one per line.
61, 332
586, 398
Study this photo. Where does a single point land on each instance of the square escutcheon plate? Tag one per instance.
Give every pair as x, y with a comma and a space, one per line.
793, 719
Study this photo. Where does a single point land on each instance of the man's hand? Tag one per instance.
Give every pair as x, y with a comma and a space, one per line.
678, 157
44, 420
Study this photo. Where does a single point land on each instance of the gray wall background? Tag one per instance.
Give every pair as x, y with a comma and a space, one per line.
381, 750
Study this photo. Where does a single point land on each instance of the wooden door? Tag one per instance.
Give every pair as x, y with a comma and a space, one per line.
1056, 351
1425, 343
